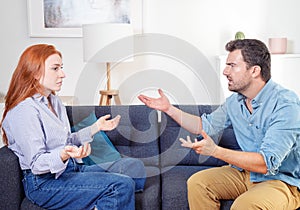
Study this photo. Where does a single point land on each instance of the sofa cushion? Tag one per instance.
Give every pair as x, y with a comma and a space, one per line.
102, 149
10, 178
137, 134
12, 194
174, 187
150, 198
27, 204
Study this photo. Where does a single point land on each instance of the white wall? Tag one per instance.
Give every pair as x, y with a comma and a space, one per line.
206, 25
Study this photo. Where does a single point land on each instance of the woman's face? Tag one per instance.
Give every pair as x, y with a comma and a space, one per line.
53, 77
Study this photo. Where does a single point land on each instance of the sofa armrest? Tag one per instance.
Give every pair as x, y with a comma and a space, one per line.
11, 187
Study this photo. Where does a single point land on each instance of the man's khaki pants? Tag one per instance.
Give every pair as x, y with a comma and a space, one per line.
206, 188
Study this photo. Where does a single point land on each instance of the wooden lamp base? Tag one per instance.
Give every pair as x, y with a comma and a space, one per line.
107, 95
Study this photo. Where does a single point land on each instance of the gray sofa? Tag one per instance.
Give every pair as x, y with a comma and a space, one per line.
141, 134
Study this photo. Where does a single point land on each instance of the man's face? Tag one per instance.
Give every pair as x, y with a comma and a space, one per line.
52, 79
239, 77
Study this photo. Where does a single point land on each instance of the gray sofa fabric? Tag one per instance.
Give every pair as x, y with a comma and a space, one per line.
138, 135
11, 189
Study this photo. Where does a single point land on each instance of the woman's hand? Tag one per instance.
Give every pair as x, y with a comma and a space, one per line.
204, 147
162, 103
76, 152
103, 124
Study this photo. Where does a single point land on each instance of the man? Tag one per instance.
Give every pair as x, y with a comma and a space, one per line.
266, 121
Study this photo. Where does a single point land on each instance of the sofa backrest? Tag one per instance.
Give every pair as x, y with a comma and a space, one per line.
172, 153
140, 135
11, 189
137, 134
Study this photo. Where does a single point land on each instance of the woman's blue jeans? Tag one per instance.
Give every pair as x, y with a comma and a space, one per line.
131, 167
80, 187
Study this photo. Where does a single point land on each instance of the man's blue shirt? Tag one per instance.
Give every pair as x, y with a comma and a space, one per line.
272, 129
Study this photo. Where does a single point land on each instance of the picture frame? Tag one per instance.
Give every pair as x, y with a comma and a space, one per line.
36, 26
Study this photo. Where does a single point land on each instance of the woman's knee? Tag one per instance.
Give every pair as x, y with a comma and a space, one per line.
133, 167
122, 183
119, 193
136, 170
126, 183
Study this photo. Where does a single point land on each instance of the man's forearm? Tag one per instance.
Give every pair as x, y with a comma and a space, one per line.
250, 161
190, 122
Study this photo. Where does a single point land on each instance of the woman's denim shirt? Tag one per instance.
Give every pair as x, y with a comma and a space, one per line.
273, 130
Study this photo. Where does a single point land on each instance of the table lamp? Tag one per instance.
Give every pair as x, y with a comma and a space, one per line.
107, 42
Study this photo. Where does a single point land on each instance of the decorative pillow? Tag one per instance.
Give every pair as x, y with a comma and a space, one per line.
102, 149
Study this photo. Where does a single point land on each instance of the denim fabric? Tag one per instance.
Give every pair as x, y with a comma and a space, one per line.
131, 167
80, 187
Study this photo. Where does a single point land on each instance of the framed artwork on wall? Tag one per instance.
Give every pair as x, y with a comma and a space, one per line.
64, 18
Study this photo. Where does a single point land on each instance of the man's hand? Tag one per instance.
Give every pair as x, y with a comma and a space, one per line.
187, 143
162, 103
204, 147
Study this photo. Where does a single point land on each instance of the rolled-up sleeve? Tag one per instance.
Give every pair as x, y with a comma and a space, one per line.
280, 137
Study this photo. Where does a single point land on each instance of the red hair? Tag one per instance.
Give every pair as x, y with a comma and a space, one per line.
25, 79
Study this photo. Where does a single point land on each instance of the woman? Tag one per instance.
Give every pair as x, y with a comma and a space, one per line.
36, 128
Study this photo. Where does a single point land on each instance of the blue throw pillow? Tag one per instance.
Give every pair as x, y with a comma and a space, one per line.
102, 149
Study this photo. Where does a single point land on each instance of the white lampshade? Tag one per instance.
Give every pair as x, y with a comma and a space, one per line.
107, 42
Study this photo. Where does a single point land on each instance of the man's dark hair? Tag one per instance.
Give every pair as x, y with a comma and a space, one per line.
254, 52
